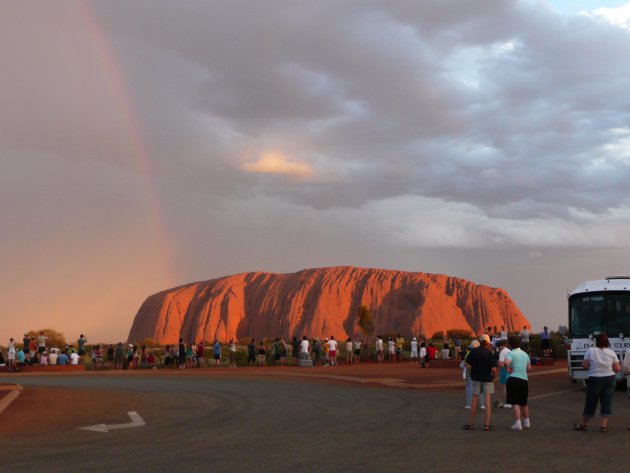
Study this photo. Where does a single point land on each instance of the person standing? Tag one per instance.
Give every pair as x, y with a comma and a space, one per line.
503, 374
422, 354
469, 383
400, 344
41, 342
391, 350
414, 349
525, 339
378, 347
602, 364
81, 347
517, 386
349, 351
217, 352
251, 353
304, 348
200, 352
181, 354
232, 348
332, 351
483, 369
544, 342
11, 355
503, 335
357, 351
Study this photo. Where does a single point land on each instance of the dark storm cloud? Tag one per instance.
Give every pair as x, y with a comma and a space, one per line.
496, 104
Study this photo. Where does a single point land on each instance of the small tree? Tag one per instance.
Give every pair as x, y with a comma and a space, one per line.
365, 322
55, 339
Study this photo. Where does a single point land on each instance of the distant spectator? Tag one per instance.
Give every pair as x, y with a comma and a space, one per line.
295, 346
458, 349
52, 358
63, 359
26, 342
261, 354
304, 348
332, 345
181, 354
422, 354
32, 349
232, 350
119, 356
431, 353
20, 358
42, 358
391, 350
151, 360
200, 352
11, 354
446, 351
349, 351
251, 352
217, 352
400, 343
544, 342
378, 348
317, 352
41, 342
503, 335
97, 357
81, 347
74, 358
357, 351
525, 339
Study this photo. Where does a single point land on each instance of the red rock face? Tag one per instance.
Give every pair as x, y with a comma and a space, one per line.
320, 303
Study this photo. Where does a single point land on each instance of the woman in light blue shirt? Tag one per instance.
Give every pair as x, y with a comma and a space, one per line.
517, 386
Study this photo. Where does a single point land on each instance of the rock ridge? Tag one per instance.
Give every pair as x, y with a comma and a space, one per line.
321, 302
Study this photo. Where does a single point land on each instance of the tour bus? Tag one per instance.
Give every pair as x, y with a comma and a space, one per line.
596, 307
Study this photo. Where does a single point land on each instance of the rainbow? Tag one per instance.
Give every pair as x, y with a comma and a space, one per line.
137, 141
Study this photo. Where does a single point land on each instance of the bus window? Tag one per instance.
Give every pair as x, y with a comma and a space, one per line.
586, 315
617, 314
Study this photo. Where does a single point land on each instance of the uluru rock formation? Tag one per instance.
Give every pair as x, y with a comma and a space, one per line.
322, 302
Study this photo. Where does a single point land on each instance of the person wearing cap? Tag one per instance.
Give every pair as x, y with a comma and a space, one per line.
469, 383
483, 368
414, 349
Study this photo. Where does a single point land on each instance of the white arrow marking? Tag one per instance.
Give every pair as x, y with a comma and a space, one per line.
136, 421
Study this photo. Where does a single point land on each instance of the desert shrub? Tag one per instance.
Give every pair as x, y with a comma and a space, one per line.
439, 335
55, 339
458, 333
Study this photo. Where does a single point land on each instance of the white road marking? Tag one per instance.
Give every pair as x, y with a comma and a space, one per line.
136, 421
552, 394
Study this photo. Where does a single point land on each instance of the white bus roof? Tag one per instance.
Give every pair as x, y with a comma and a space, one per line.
612, 283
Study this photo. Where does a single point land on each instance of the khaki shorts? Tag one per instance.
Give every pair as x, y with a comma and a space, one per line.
480, 387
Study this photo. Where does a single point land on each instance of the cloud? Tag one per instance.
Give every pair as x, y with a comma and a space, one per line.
276, 163
615, 16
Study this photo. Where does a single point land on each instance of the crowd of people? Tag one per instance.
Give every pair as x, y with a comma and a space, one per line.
494, 355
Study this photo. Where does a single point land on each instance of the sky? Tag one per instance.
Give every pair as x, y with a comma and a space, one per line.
149, 144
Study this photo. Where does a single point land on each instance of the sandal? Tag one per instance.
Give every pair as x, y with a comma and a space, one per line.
603, 429
581, 427
487, 428
468, 427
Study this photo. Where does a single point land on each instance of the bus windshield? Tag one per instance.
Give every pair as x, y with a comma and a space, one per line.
599, 312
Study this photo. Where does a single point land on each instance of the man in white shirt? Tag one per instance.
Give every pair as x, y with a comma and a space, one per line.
304, 348
74, 358
379, 349
414, 349
332, 351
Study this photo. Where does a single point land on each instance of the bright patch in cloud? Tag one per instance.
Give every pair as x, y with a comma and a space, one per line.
615, 16
276, 163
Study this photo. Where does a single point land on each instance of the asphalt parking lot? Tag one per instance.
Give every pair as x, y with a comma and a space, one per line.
295, 420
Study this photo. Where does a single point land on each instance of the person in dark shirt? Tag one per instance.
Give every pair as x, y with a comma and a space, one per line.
251, 353
482, 366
